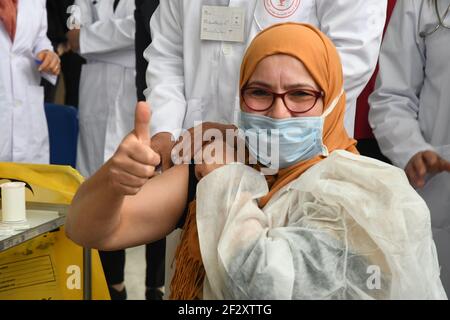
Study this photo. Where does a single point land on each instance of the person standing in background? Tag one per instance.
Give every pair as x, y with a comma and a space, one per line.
26, 54
154, 252
410, 110
193, 72
71, 62
367, 144
107, 94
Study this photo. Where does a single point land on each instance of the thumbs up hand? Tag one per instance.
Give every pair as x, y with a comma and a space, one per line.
134, 162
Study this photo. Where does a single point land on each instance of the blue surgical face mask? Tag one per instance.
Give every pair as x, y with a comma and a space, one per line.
281, 143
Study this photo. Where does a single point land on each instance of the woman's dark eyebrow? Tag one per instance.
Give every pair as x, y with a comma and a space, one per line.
289, 87
260, 84
300, 86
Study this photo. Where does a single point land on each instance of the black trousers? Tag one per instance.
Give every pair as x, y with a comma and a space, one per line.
113, 263
71, 64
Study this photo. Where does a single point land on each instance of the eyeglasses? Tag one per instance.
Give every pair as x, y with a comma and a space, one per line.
296, 101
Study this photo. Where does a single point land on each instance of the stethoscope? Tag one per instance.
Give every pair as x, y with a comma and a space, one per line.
441, 23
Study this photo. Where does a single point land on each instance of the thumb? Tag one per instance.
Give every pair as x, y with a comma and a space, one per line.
142, 122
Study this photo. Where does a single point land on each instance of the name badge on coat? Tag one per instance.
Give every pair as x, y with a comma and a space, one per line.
223, 23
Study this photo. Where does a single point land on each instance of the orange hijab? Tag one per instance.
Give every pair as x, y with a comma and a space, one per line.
321, 59
8, 15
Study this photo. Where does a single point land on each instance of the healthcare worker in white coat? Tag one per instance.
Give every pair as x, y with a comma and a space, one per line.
410, 108
194, 59
107, 85
106, 96
26, 54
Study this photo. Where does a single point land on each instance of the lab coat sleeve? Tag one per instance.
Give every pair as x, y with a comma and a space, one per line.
42, 42
98, 37
356, 29
394, 105
83, 12
165, 72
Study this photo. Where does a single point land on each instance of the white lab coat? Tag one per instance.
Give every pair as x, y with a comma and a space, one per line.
191, 80
107, 84
23, 125
410, 109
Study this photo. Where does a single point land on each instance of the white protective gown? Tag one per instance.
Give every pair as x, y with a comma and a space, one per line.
350, 227
410, 109
107, 84
194, 80
23, 125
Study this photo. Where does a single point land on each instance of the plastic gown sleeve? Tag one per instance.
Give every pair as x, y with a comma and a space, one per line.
244, 250
238, 217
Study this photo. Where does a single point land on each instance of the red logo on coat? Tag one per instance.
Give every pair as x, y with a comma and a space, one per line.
281, 8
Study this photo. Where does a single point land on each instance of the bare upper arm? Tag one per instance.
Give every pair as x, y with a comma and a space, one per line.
155, 211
